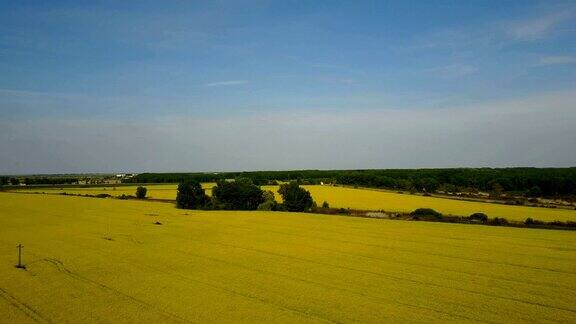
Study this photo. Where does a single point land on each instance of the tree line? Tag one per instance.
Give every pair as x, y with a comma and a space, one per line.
37, 180
242, 194
531, 182
534, 182
4, 181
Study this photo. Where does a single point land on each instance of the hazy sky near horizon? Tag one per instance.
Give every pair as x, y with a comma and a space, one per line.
110, 86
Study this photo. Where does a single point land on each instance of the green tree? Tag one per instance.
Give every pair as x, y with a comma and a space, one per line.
535, 192
191, 195
496, 189
141, 192
295, 198
428, 185
14, 181
448, 188
240, 194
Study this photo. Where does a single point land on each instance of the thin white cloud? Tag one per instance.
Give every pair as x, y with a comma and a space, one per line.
23, 93
536, 28
557, 60
36, 99
528, 131
226, 83
469, 39
452, 71
325, 66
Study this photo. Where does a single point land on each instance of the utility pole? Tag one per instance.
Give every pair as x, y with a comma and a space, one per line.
20, 266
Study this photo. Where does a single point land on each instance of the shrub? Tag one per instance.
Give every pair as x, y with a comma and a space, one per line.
426, 212
479, 217
191, 195
498, 221
295, 198
559, 223
268, 195
241, 194
141, 192
268, 205
102, 195
325, 205
531, 221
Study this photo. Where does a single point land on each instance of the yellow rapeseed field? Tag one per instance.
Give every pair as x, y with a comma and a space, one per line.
104, 260
392, 201
155, 191
363, 199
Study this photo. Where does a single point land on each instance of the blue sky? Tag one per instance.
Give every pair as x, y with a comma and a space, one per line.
150, 64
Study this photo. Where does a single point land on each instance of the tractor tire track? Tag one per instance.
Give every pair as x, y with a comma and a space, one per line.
462, 272
61, 268
244, 295
512, 280
30, 312
414, 251
418, 282
333, 287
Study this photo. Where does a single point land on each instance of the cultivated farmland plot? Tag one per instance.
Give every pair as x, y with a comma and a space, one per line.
106, 260
363, 199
